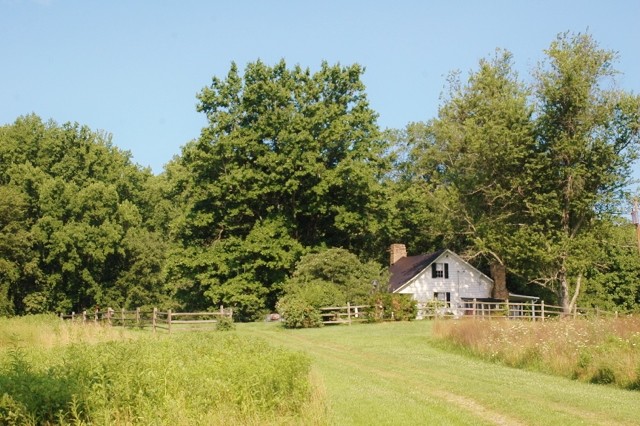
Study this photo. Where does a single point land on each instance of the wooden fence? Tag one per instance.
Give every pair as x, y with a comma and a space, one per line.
509, 310
155, 319
344, 314
471, 309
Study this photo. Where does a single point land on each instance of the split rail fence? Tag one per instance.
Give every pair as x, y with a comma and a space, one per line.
509, 310
472, 309
344, 314
155, 319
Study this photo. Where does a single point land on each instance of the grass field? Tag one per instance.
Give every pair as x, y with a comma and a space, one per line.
596, 350
393, 374
382, 374
54, 373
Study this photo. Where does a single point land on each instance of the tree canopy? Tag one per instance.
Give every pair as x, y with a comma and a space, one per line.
290, 160
292, 188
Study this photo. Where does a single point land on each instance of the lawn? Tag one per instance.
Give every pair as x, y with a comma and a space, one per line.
393, 374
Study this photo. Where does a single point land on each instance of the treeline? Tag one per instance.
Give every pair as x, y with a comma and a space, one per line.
526, 178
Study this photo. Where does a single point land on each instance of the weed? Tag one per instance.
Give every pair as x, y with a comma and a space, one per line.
199, 378
604, 351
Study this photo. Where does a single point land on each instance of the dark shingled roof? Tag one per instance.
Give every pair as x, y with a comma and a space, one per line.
408, 267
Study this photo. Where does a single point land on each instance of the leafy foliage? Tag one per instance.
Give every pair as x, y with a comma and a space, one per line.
392, 307
298, 313
74, 216
187, 378
291, 165
290, 160
334, 277
528, 177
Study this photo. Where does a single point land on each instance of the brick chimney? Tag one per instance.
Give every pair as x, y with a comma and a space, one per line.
499, 275
398, 251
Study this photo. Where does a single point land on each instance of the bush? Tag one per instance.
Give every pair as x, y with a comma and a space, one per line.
225, 324
333, 277
392, 307
297, 313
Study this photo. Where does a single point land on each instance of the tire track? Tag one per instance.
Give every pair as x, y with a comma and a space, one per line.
351, 357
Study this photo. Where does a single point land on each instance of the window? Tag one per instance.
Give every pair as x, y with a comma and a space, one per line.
443, 296
440, 270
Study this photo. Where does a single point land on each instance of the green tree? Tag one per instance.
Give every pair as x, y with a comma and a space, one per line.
416, 211
289, 156
587, 137
613, 269
86, 208
15, 245
334, 277
527, 179
468, 162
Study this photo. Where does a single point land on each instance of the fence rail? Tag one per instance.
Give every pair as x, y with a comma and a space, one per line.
470, 309
509, 310
155, 319
344, 314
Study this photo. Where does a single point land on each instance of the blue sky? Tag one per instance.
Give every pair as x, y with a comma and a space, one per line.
133, 68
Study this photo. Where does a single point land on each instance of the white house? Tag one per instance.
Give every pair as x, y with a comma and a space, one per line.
441, 276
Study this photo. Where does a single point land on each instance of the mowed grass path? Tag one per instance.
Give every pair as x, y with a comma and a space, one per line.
391, 374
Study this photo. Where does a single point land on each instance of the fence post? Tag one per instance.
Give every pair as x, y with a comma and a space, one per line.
349, 312
221, 312
122, 316
542, 310
597, 312
84, 316
474, 307
95, 316
73, 316
169, 320
154, 320
137, 317
109, 315
533, 310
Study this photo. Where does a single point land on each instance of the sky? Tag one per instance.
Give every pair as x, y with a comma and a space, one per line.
133, 68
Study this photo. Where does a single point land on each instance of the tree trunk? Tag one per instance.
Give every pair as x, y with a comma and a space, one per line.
576, 292
563, 291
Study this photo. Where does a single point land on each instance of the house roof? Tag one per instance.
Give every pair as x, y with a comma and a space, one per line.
408, 267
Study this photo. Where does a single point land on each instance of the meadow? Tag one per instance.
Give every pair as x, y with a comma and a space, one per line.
61, 373
596, 350
398, 373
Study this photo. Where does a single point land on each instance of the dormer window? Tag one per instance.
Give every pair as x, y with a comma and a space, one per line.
440, 270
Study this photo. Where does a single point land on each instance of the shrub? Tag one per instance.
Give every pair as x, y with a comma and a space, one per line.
604, 376
225, 324
333, 277
297, 313
389, 306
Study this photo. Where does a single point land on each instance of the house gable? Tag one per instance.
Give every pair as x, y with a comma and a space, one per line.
407, 268
443, 275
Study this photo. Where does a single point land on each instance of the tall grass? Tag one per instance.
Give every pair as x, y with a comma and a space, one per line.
603, 351
47, 331
189, 379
